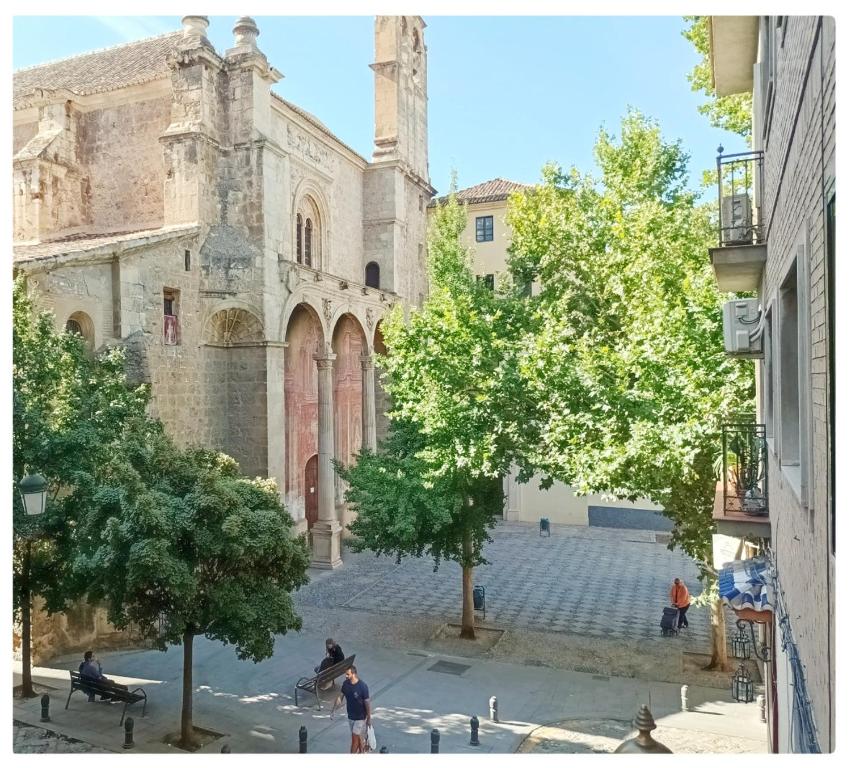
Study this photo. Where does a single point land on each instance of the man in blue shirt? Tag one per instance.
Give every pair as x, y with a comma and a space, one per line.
358, 708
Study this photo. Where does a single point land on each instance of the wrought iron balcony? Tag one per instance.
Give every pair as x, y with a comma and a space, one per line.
742, 497
745, 468
740, 256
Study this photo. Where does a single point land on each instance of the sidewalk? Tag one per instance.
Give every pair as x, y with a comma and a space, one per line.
252, 705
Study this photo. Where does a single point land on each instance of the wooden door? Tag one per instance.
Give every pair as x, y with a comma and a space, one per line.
311, 490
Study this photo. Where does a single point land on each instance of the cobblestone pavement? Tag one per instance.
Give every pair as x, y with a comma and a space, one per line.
27, 739
597, 582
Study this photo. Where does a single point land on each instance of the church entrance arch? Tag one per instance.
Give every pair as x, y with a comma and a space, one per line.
301, 405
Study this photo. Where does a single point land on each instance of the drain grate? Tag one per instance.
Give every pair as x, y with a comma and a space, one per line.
449, 668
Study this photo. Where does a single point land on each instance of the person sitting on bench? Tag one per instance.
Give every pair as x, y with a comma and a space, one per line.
90, 669
333, 655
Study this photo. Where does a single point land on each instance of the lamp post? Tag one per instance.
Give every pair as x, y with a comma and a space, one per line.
33, 490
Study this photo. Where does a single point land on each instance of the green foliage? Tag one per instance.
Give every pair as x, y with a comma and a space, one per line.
405, 509
732, 113
624, 356
70, 411
180, 537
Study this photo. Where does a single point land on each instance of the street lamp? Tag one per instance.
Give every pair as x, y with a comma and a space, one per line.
33, 490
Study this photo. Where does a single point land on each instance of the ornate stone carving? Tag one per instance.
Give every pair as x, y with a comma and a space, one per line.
370, 319
230, 326
326, 310
308, 148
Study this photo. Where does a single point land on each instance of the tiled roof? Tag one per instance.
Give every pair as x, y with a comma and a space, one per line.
487, 192
76, 245
105, 70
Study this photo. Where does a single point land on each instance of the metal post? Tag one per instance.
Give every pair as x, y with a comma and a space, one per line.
720, 183
383, 751
45, 708
435, 741
128, 733
302, 740
474, 731
684, 698
494, 708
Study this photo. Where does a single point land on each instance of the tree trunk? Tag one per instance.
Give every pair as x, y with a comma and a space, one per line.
27, 690
719, 659
187, 733
468, 619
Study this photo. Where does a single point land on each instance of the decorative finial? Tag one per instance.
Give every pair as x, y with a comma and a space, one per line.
720, 150
195, 27
245, 32
644, 742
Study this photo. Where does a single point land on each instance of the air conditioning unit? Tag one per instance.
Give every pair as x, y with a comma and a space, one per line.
736, 219
743, 328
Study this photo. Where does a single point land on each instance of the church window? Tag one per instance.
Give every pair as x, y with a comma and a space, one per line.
81, 324
308, 241
72, 326
171, 329
484, 229
373, 275
298, 252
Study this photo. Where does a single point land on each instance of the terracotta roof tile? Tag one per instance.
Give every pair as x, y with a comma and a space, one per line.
105, 70
486, 192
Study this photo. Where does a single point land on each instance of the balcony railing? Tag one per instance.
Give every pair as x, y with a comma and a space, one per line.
745, 469
740, 198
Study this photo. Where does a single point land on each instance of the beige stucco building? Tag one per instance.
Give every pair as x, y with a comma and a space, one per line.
488, 236
167, 200
780, 245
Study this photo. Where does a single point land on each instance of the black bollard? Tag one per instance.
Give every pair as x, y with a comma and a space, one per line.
383, 751
474, 731
226, 749
435, 741
45, 708
302, 740
128, 733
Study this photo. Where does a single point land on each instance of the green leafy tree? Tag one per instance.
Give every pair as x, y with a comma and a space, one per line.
178, 543
404, 508
69, 414
625, 357
732, 113
449, 375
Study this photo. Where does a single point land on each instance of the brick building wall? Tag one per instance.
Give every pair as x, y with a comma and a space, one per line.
799, 144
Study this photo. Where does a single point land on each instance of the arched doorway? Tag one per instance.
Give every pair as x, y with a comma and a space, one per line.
301, 397
311, 490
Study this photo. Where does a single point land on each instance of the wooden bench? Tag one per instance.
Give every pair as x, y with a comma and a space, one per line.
328, 675
110, 690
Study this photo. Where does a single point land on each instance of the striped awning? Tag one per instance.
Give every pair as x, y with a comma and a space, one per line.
746, 584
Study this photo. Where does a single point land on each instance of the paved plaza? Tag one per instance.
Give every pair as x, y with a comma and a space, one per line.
596, 582
556, 600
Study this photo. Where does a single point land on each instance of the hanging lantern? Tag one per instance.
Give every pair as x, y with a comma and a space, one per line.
740, 646
742, 685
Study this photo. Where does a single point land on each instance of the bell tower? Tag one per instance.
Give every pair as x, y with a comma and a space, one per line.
401, 122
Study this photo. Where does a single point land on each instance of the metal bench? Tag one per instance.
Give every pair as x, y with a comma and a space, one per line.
312, 684
110, 690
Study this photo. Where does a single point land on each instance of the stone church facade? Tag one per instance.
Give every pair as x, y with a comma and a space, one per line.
167, 200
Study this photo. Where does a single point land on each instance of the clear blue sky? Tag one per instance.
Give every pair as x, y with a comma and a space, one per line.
506, 94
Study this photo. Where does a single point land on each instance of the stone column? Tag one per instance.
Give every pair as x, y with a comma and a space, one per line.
275, 415
368, 404
327, 531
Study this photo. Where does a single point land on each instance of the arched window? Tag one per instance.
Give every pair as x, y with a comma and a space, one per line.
80, 323
308, 242
298, 251
373, 275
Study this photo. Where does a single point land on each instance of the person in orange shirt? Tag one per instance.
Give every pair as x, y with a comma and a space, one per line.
680, 600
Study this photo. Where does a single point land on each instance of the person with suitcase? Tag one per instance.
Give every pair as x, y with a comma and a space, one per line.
681, 601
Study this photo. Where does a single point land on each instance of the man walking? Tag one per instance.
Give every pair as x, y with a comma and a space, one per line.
358, 708
681, 601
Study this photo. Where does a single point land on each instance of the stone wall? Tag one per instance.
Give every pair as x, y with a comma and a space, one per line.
245, 410
119, 149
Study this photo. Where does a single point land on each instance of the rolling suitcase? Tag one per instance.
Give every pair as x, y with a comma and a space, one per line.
669, 622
